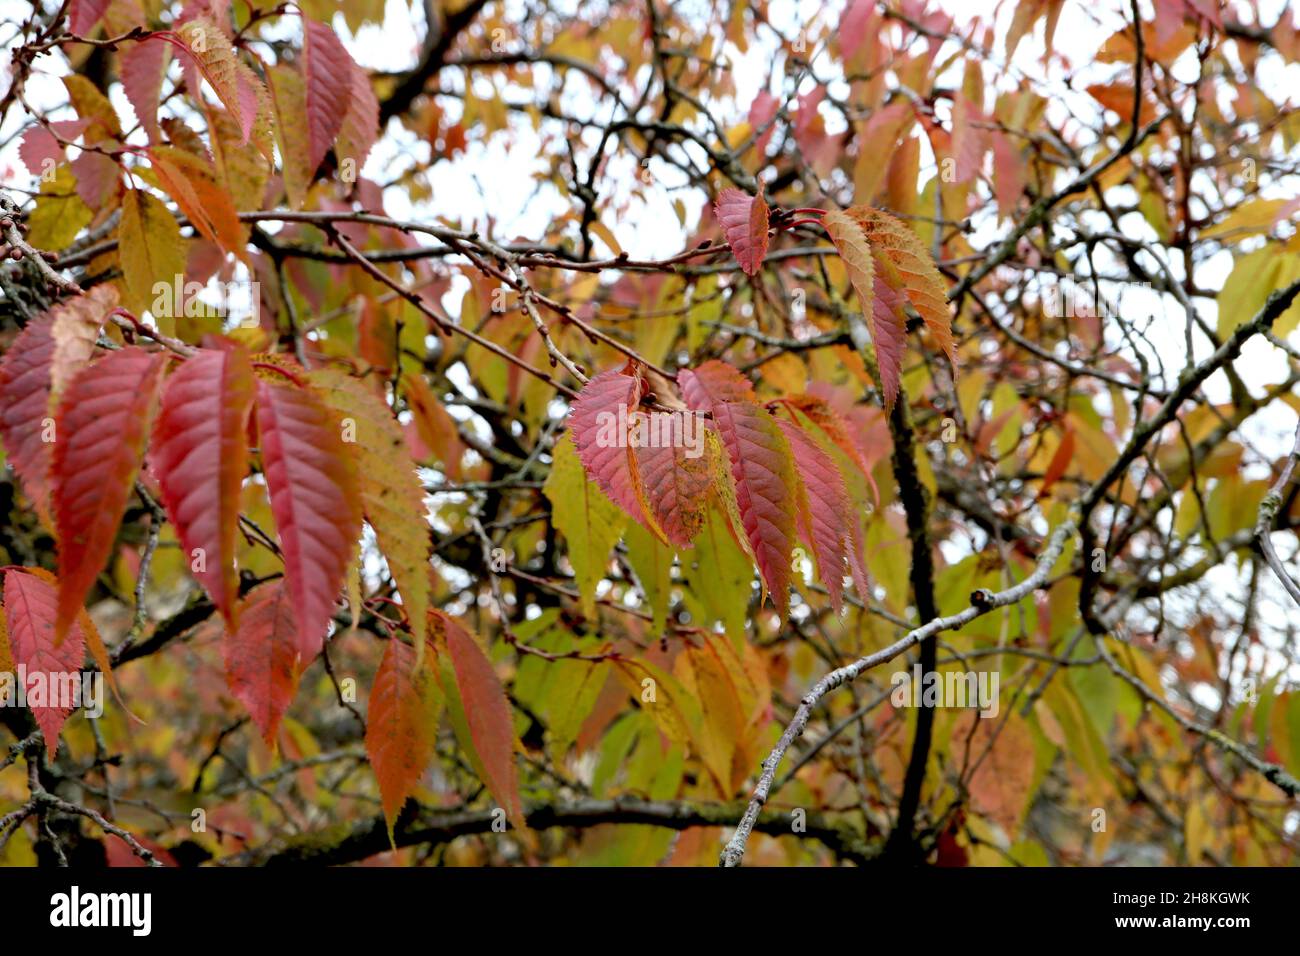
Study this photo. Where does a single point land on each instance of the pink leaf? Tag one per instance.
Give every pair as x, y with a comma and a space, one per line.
143, 65
825, 515
39, 150
328, 69
25, 418
316, 501
762, 112
744, 224
30, 603
84, 14
599, 422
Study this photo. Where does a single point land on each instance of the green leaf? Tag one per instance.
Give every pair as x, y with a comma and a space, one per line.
653, 563
590, 522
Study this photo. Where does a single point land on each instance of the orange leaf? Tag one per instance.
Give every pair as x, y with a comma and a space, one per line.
192, 182
486, 711
893, 241
402, 724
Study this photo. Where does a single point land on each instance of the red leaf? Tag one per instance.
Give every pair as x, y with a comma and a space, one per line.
39, 148
402, 724
889, 333
676, 485
142, 66
262, 661
328, 69
360, 127
744, 224
600, 422
486, 711
825, 515
714, 381
29, 614
761, 114
761, 467
200, 453
24, 407
315, 499
84, 14
100, 434
836, 427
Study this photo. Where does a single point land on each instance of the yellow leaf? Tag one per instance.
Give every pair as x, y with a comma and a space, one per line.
1251, 281
289, 96
391, 494
1256, 215
59, 214
150, 251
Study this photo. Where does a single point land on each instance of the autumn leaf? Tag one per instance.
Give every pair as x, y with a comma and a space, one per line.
851, 243
84, 15
435, 426
918, 278
1000, 785
289, 99
77, 324
328, 70
360, 128
200, 454
391, 494
744, 220
192, 182
312, 479
261, 656
143, 65
402, 723
590, 522
102, 423
208, 48
475, 696
150, 250
761, 468
26, 424
30, 610
60, 212
825, 516
675, 481
601, 422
